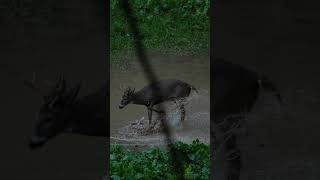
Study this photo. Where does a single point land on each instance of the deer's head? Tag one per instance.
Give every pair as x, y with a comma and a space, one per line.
126, 97
54, 114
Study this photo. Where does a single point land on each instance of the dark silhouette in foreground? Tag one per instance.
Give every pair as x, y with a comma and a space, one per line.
172, 90
236, 88
235, 91
63, 112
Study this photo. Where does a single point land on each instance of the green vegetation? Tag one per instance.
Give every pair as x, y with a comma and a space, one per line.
179, 27
155, 163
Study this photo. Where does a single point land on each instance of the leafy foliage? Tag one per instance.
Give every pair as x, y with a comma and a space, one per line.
181, 26
155, 163
152, 8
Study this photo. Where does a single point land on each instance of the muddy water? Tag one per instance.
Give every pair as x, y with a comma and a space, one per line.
193, 70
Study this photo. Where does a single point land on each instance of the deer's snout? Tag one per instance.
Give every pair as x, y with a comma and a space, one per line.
121, 106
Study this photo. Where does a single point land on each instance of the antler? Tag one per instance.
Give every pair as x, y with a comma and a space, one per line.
129, 91
35, 86
32, 84
61, 84
132, 90
122, 87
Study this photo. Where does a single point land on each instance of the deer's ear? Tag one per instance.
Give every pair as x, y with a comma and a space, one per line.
73, 93
61, 84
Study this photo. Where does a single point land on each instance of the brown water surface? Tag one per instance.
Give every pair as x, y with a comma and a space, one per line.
193, 70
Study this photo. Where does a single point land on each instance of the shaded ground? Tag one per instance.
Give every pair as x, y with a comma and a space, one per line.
280, 39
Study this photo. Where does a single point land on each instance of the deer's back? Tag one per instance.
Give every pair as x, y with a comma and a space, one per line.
235, 88
96, 100
91, 113
170, 89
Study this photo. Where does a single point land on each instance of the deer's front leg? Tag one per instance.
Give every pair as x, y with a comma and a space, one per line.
183, 112
150, 115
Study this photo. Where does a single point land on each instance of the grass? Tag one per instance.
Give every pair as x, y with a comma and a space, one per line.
156, 164
170, 27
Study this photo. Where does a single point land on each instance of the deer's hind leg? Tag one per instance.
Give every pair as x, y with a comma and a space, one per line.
176, 102
183, 112
181, 108
150, 115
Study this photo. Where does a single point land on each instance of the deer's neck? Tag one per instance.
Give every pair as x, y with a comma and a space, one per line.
138, 99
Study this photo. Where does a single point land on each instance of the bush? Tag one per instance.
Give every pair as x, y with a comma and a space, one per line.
155, 163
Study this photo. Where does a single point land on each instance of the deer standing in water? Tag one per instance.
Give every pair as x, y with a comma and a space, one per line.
171, 90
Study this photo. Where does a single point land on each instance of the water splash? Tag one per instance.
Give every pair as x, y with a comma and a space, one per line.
138, 132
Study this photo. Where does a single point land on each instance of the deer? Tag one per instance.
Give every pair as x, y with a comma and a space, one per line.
235, 91
236, 88
171, 90
63, 112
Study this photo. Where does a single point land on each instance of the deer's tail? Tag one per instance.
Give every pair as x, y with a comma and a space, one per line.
193, 88
268, 85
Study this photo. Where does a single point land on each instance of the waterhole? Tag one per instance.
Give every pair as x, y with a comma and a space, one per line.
130, 125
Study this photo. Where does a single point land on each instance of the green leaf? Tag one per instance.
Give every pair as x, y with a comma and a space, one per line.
115, 177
